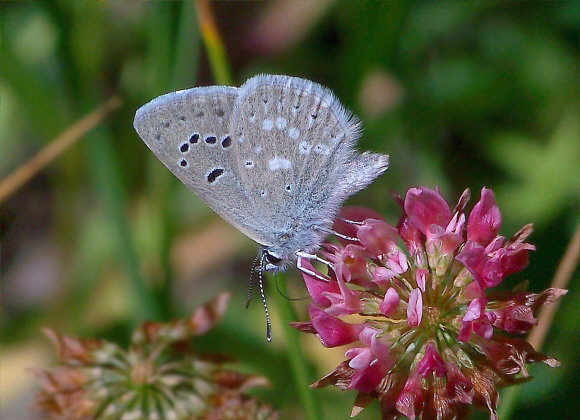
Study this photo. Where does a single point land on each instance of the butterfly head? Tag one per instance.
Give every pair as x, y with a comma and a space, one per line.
273, 261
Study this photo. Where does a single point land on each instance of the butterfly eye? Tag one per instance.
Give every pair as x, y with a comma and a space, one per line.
273, 259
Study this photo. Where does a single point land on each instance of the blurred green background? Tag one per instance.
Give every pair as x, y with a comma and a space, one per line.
460, 94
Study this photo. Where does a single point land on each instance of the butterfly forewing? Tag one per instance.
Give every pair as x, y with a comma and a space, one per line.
189, 132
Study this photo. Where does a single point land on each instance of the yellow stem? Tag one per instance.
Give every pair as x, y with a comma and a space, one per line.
55, 148
563, 274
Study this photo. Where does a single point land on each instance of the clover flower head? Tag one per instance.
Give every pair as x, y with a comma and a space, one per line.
434, 339
160, 376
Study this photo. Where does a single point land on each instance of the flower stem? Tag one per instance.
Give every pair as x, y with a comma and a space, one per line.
567, 266
109, 184
299, 364
56, 147
213, 43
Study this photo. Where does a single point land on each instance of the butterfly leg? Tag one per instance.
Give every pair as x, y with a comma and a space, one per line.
340, 235
352, 222
306, 270
315, 258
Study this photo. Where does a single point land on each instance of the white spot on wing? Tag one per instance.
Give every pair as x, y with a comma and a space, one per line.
304, 148
281, 123
336, 136
258, 149
267, 124
279, 163
321, 149
293, 133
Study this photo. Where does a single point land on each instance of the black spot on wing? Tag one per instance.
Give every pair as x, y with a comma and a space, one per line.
214, 174
226, 142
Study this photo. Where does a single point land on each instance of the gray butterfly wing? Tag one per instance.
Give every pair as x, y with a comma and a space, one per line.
189, 132
298, 160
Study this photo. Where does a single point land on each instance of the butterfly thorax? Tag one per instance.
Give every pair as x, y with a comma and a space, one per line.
279, 256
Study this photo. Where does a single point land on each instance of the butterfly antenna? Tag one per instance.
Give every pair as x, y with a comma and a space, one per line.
263, 295
254, 269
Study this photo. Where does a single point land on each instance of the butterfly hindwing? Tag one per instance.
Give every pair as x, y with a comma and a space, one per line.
295, 142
